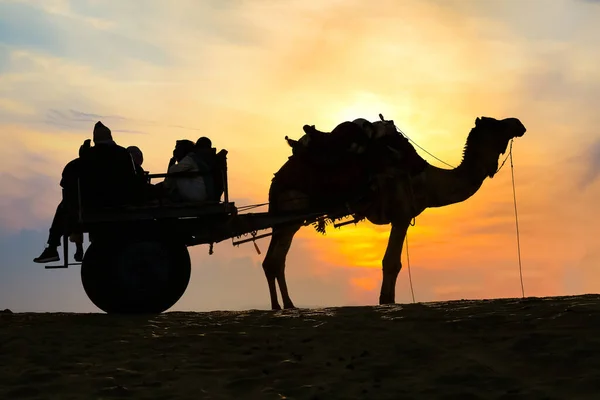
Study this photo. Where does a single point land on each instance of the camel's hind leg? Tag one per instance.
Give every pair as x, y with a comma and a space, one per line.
274, 265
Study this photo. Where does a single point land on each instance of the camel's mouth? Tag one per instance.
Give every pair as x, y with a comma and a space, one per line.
517, 127
496, 138
521, 131
493, 169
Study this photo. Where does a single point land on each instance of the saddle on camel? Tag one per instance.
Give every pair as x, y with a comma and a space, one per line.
348, 162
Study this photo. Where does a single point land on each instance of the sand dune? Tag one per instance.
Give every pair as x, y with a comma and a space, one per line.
499, 349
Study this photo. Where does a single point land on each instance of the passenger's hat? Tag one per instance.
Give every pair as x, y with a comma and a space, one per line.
102, 133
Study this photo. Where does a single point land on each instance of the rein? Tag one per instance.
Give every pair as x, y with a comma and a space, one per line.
506, 158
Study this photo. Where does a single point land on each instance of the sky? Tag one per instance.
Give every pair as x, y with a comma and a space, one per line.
248, 73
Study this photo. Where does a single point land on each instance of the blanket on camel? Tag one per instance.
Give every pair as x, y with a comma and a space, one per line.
342, 163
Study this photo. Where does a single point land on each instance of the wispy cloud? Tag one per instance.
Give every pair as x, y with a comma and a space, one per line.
78, 120
592, 159
81, 120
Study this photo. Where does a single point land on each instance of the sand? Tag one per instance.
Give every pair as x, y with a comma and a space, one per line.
496, 349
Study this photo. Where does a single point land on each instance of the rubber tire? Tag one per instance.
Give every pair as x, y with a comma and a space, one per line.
138, 277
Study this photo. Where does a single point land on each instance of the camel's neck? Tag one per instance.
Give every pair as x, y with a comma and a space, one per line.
450, 186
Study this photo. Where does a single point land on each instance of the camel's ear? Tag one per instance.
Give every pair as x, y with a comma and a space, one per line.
477, 121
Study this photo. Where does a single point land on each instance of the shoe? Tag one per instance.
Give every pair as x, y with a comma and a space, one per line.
78, 254
49, 254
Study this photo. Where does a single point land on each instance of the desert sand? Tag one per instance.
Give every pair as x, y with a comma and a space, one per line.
535, 348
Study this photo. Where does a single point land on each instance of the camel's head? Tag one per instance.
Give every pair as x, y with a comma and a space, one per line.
493, 137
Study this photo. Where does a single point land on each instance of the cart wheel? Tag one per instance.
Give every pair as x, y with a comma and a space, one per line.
135, 277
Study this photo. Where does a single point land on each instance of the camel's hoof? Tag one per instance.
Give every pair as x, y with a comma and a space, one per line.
384, 301
276, 307
290, 307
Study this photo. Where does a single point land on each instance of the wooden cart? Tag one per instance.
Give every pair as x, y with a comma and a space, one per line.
138, 261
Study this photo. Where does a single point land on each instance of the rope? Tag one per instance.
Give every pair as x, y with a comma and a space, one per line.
509, 155
506, 158
512, 169
251, 206
412, 292
416, 144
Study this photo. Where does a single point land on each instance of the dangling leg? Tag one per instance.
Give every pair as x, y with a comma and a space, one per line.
50, 253
274, 264
77, 238
392, 263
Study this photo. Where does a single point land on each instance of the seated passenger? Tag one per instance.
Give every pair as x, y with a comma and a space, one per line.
108, 173
205, 157
215, 165
147, 190
190, 188
68, 182
203, 143
138, 159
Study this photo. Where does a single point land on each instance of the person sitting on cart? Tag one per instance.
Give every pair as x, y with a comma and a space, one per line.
216, 164
205, 157
185, 188
138, 159
103, 175
147, 189
69, 184
108, 173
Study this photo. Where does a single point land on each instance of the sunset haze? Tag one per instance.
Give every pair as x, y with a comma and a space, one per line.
248, 73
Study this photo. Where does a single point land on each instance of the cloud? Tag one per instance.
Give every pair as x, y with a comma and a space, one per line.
55, 28
77, 120
15, 107
593, 161
24, 26
83, 116
28, 203
61, 8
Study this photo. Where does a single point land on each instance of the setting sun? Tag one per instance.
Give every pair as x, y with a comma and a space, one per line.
363, 105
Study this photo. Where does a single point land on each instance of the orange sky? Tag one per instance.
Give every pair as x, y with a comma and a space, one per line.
249, 73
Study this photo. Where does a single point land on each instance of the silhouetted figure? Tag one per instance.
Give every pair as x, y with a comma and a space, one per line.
147, 190
203, 143
205, 157
213, 166
103, 175
138, 158
68, 182
191, 188
108, 173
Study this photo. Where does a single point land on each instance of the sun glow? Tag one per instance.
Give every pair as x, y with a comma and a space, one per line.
363, 105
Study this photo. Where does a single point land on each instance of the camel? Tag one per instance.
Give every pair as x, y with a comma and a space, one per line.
397, 199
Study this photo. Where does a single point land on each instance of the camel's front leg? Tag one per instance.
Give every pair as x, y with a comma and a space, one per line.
392, 263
